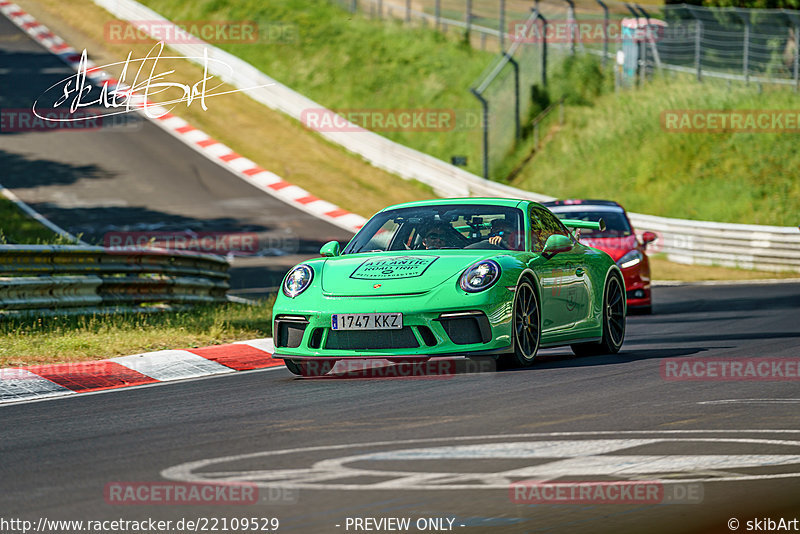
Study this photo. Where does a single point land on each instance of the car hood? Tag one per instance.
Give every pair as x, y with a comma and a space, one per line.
395, 274
616, 247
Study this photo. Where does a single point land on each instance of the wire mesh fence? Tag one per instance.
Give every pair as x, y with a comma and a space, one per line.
532, 38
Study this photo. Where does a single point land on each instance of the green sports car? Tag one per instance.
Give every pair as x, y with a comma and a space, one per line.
475, 277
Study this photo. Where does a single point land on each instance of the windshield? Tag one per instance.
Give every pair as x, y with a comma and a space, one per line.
438, 227
616, 222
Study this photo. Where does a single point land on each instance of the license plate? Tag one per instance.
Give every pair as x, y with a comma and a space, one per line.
367, 321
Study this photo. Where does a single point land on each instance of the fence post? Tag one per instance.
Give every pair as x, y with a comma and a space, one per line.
353, 6
698, 49
502, 24
408, 10
796, 57
380, 9
544, 50
605, 31
571, 24
468, 19
649, 37
795, 22
485, 127
437, 13
517, 131
746, 59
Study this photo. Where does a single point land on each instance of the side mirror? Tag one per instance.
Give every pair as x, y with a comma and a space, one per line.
557, 243
648, 237
330, 249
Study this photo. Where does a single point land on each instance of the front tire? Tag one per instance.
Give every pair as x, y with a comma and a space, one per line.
309, 367
613, 322
526, 328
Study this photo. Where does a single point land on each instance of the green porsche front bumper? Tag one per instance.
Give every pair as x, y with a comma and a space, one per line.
441, 322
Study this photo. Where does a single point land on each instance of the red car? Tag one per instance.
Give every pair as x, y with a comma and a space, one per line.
618, 240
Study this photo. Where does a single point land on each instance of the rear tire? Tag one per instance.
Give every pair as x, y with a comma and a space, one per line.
613, 322
526, 329
309, 367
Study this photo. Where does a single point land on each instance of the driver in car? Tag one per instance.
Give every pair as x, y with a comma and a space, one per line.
436, 237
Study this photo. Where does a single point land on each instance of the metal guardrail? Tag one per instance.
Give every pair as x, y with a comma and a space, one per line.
91, 279
680, 238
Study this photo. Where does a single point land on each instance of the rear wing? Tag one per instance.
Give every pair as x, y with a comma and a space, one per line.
590, 225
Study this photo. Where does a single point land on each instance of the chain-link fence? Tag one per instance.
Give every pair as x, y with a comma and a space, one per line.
531, 38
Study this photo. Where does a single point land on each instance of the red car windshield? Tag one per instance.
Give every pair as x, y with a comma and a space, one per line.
617, 224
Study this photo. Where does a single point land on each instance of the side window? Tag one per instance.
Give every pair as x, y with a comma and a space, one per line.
544, 224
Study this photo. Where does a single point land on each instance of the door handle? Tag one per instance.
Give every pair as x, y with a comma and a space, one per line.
579, 271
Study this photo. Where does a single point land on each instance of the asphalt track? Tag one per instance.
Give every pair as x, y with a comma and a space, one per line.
133, 176
366, 444
59, 455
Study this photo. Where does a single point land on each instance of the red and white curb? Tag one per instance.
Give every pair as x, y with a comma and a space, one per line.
46, 381
221, 154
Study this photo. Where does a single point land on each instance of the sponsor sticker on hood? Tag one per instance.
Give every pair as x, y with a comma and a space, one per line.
398, 267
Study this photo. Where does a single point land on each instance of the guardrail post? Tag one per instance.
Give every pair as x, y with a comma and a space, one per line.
485, 127
605, 32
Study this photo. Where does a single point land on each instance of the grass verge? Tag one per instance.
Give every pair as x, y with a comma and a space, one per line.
18, 228
62, 339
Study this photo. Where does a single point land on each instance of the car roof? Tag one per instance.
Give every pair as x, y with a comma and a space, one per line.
493, 201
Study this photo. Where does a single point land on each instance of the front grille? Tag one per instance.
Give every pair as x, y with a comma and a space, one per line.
371, 339
467, 329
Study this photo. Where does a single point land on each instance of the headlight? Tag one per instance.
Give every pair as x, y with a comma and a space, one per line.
630, 259
480, 276
297, 280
